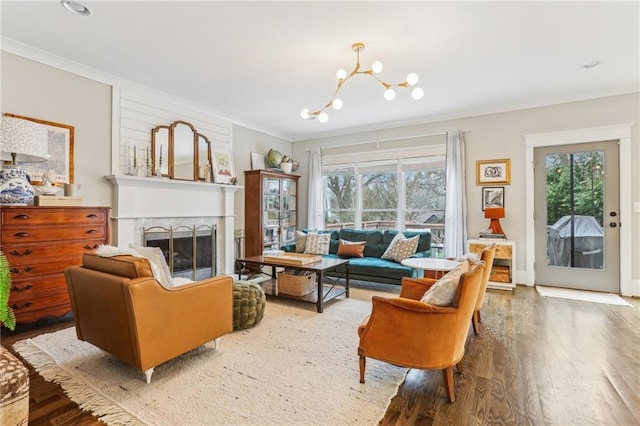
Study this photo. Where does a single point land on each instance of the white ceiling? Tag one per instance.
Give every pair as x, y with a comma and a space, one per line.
260, 63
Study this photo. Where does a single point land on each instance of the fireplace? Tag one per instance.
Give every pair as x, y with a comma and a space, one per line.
190, 251
141, 202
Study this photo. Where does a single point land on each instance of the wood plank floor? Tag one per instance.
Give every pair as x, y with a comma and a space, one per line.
537, 361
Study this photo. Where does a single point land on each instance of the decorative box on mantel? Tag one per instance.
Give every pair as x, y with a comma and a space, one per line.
152, 200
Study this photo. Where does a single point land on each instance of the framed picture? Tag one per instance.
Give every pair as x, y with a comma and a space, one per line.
222, 165
492, 196
491, 172
257, 161
60, 153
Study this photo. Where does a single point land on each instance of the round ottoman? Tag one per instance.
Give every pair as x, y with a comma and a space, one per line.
248, 304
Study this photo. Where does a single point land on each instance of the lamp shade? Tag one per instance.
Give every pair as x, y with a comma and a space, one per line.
27, 140
494, 212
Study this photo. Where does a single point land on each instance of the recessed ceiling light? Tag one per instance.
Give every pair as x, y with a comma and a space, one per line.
76, 8
591, 64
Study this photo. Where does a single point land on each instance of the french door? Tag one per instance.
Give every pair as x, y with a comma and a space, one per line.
577, 226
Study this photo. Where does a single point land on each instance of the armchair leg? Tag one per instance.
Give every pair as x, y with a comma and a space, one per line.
479, 317
363, 365
148, 373
475, 321
459, 365
216, 343
449, 384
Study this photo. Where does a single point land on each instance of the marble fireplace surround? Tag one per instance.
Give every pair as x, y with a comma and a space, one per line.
141, 202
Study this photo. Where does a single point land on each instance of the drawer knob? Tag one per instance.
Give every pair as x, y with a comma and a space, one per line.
91, 231
92, 216
88, 247
17, 271
18, 289
22, 216
17, 253
25, 305
21, 234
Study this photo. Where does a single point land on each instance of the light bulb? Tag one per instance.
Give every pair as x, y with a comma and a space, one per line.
412, 79
389, 94
417, 93
377, 67
323, 117
341, 74
337, 104
305, 113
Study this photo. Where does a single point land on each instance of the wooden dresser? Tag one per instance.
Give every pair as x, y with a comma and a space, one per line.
39, 243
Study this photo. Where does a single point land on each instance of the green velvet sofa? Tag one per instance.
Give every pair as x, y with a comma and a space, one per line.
372, 267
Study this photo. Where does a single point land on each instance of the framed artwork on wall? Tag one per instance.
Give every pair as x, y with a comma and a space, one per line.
60, 153
257, 161
223, 170
492, 196
492, 172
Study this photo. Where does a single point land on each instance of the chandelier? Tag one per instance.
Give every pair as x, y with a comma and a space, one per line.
389, 94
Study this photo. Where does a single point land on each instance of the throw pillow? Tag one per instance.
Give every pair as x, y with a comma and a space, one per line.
351, 248
158, 264
301, 241
398, 236
443, 291
401, 249
317, 244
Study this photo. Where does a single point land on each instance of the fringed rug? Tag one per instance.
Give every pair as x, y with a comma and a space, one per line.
297, 367
585, 296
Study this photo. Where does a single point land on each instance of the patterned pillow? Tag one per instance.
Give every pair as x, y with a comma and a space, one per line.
301, 241
351, 248
401, 249
317, 244
443, 291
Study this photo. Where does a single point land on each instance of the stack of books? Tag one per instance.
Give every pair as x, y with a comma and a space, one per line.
492, 236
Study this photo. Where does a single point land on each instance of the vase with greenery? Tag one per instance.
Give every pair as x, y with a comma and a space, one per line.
7, 317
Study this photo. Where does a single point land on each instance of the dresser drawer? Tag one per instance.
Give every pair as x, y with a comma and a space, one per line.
502, 251
37, 234
20, 253
52, 216
29, 289
40, 307
29, 268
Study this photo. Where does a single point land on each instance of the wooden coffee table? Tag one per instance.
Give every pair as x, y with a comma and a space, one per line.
324, 292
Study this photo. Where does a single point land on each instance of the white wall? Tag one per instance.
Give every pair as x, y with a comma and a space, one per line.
246, 141
502, 136
35, 90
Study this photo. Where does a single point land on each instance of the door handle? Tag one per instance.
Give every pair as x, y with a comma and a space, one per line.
613, 224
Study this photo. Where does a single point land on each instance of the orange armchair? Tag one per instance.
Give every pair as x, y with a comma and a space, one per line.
119, 307
487, 255
407, 332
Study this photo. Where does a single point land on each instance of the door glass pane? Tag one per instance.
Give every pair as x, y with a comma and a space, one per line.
575, 202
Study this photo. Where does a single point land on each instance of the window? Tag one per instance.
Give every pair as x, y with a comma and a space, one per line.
405, 193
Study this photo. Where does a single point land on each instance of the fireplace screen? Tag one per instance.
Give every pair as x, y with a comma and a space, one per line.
190, 251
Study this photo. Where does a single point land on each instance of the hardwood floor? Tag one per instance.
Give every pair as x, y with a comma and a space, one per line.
537, 361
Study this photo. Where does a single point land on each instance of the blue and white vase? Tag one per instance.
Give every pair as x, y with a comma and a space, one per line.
14, 186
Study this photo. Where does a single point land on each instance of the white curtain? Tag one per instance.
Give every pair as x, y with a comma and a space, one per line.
315, 219
455, 222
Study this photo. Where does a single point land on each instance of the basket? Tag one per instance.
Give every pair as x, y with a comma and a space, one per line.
296, 285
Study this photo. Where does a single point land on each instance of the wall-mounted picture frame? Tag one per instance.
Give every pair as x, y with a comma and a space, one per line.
60, 153
493, 172
257, 161
492, 196
223, 170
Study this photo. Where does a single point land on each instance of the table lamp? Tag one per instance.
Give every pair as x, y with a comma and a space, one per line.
495, 214
25, 142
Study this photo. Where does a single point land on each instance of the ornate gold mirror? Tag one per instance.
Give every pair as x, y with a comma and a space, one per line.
204, 159
160, 151
183, 145
180, 152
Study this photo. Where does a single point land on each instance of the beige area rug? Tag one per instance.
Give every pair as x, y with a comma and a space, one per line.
585, 296
297, 367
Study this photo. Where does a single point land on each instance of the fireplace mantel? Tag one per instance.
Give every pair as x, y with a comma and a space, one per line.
138, 198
